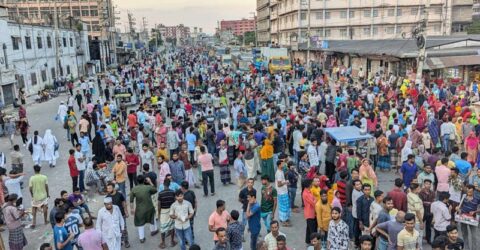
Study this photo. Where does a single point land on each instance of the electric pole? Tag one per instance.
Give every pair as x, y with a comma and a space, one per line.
421, 38
308, 36
57, 40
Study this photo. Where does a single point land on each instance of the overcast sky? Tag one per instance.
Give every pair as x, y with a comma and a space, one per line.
192, 13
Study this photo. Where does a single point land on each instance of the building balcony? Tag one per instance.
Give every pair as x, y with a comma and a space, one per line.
262, 4
462, 2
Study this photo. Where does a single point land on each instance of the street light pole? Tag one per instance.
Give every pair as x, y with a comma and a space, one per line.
308, 36
422, 44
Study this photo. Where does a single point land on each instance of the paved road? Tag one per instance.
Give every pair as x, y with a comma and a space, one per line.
41, 117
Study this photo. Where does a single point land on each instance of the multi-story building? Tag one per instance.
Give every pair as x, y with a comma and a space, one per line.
263, 22
97, 15
29, 56
178, 31
360, 19
238, 27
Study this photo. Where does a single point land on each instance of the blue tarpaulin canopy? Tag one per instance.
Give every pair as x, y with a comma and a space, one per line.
347, 134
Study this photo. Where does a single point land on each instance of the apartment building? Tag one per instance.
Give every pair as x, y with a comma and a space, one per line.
263, 22
178, 31
360, 19
238, 27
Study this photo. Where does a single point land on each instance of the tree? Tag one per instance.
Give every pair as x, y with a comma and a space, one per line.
249, 38
474, 28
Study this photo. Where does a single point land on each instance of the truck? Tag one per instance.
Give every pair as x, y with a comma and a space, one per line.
275, 60
242, 62
226, 60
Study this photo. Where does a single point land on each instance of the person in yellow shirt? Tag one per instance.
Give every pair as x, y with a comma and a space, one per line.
315, 189
322, 212
162, 151
106, 110
119, 171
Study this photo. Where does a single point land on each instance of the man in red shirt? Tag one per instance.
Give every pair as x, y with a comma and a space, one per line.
73, 168
341, 186
309, 210
132, 161
132, 119
399, 197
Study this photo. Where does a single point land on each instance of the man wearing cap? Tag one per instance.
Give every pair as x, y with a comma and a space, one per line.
110, 222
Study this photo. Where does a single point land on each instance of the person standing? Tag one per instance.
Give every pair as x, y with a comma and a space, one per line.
111, 223
284, 209
119, 200
390, 229
16, 158
143, 210
91, 238
428, 197
61, 237
35, 146
309, 210
469, 206
253, 215
338, 238
407, 239
190, 196
177, 169
166, 198
363, 208
218, 219
441, 213
73, 223
133, 162
182, 212
242, 198
120, 174
81, 163
271, 238
415, 206
323, 213
268, 203
72, 128
13, 216
38, 186
206, 163
73, 168
240, 170
235, 231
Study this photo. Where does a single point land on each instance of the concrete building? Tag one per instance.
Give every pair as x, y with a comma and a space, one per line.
179, 31
360, 19
97, 15
29, 56
263, 22
238, 27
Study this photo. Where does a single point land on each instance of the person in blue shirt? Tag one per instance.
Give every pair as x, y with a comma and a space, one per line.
409, 170
253, 215
73, 222
463, 165
191, 139
62, 239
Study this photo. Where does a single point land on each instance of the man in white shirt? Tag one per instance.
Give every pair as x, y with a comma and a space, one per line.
13, 184
81, 163
441, 214
312, 152
111, 223
448, 134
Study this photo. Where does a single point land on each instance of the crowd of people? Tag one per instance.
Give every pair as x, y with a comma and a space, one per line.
185, 116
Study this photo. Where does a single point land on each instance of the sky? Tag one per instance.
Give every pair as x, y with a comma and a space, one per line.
191, 13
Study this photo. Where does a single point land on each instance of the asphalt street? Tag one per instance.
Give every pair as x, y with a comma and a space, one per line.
41, 117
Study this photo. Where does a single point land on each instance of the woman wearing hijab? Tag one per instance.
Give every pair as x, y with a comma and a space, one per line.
471, 146
266, 155
51, 144
383, 157
332, 122
367, 175
434, 131
35, 146
98, 148
406, 150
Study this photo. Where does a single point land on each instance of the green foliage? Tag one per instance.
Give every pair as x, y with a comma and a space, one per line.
249, 38
474, 28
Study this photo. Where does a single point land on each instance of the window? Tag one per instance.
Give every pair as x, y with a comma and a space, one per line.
352, 14
399, 12
64, 42
414, 11
391, 12
319, 15
84, 12
327, 15
375, 31
71, 42
76, 12
16, 43
343, 14
438, 11
389, 30
28, 42
93, 12
34, 78
49, 42
303, 16
375, 13
366, 31
328, 32
52, 70
44, 75
68, 69
352, 33
39, 42
343, 32
366, 13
